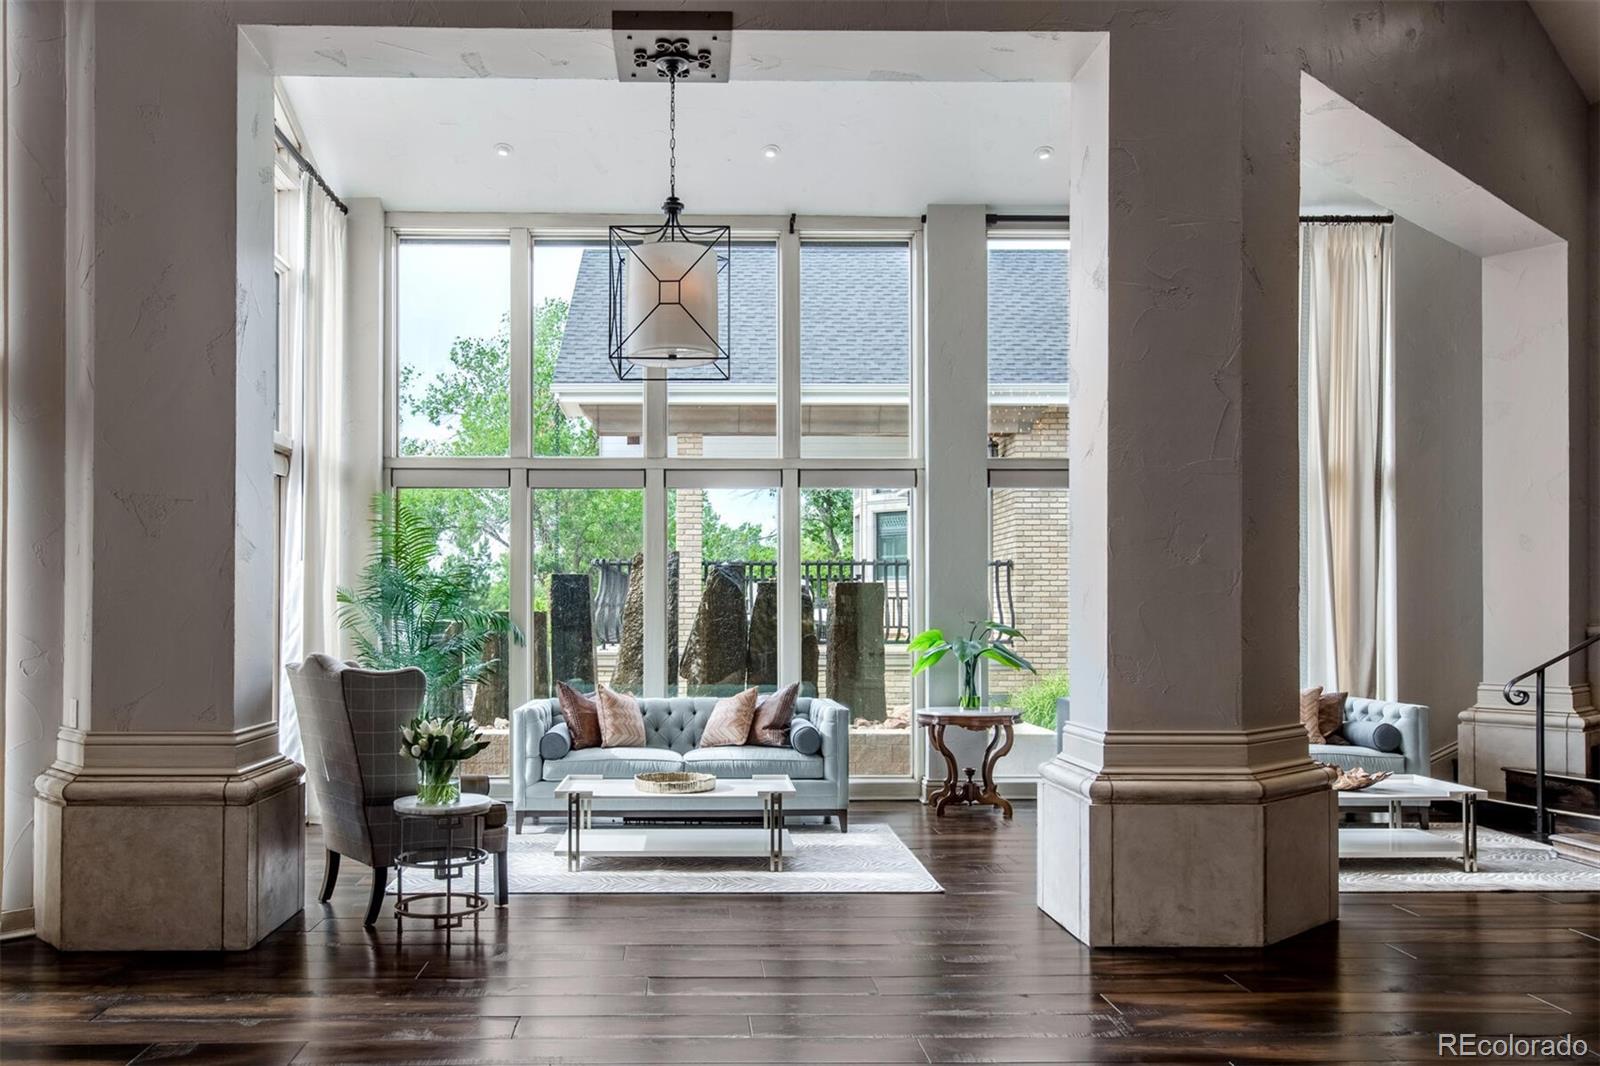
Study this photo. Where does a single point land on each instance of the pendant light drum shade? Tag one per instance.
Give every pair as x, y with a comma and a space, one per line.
671, 302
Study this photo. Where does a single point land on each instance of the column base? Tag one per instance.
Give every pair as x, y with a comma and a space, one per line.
1204, 858
167, 862
1494, 735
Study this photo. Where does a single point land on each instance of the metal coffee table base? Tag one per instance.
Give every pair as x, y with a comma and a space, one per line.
582, 838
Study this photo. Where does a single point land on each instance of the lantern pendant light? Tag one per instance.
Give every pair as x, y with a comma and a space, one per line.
665, 310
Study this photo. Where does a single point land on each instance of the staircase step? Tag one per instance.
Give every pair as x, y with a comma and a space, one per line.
1562, 792
1509, 816
1579, 847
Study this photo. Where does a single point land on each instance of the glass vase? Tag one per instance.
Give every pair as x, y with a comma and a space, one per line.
436, 782
969, 686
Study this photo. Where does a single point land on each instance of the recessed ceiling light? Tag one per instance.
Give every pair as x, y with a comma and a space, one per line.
1043, 152
771, 151
502, 149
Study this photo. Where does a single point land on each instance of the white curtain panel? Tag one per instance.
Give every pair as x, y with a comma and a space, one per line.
311, 531
1349, 513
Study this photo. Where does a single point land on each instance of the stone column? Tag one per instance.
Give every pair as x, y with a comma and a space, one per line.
1532, 602
1184, 809
169, 819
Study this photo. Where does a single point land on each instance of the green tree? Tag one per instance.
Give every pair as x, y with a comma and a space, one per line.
827, 523
746, 541
470, 403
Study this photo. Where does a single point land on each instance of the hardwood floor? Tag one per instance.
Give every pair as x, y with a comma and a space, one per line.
977, 974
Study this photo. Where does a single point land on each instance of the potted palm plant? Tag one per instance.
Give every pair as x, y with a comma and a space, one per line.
984, 640
413, 607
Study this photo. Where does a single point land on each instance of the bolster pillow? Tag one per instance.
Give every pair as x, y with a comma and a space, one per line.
805, 737
556, 742
1371, 733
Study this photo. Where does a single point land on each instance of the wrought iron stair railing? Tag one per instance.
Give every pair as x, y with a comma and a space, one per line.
1518, 697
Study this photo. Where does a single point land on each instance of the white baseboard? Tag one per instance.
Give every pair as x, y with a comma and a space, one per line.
17, 923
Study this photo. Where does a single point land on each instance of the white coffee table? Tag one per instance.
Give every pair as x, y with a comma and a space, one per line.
1395, 841
583, 838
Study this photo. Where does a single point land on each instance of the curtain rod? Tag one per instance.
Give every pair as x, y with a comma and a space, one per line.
305, 165
1059, 220
1346, 218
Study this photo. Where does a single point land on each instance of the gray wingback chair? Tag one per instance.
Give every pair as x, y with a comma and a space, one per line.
350, 719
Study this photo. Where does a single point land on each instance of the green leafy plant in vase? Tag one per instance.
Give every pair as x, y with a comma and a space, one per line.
439, 743
984, 640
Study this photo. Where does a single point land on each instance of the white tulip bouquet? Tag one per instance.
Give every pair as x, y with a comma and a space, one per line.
438, 743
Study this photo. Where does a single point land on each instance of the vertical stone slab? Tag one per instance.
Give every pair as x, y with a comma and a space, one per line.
673, 566
491, 695
810, 653
572, 631
540, 639
761, 660
714, 657
628, 674
855, 648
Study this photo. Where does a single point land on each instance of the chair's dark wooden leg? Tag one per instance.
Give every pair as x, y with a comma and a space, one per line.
827, 819
1422, 818
844, 821
380, 878
520, 817
330, 874
502, 881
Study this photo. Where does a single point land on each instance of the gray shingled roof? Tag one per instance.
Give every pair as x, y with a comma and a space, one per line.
854, 327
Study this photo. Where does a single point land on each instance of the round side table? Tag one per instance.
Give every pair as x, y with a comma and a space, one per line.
446, 862
954, 790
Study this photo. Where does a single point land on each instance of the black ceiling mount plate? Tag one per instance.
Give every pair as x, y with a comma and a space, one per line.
653, 46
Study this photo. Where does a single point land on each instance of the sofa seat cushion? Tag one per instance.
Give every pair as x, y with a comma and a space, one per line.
1350, 756
612, 762
749, 759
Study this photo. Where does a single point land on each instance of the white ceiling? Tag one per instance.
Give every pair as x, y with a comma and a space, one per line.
846, 147
866, 123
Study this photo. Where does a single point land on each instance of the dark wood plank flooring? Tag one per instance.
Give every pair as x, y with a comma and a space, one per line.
977, 974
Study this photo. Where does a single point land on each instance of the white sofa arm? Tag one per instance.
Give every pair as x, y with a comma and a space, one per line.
529, 723
833, 721
1410, 718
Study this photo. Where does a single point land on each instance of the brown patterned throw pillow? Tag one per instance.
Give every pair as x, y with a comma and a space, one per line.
621, 721
773, 714
581, 714
729, 723
1310, 719
1330, 717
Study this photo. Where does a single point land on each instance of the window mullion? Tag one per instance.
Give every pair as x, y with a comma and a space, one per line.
789, 408
655, 583
789, 578
520, 655
521, 343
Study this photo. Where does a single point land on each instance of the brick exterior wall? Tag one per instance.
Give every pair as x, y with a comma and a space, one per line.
1030, 527
689, 513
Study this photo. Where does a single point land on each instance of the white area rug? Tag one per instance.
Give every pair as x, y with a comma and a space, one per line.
869, 858
1505, 864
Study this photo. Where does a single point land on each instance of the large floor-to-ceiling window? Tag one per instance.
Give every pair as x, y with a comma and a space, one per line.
644, 533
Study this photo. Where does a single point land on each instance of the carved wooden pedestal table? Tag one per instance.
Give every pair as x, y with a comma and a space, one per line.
970, 791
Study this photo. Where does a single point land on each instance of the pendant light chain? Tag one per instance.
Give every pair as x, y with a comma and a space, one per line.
672, 134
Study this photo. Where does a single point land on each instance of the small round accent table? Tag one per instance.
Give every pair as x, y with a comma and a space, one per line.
446, 861
954, 790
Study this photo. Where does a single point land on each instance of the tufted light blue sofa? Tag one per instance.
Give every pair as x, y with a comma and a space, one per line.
1411, 719
672, 733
